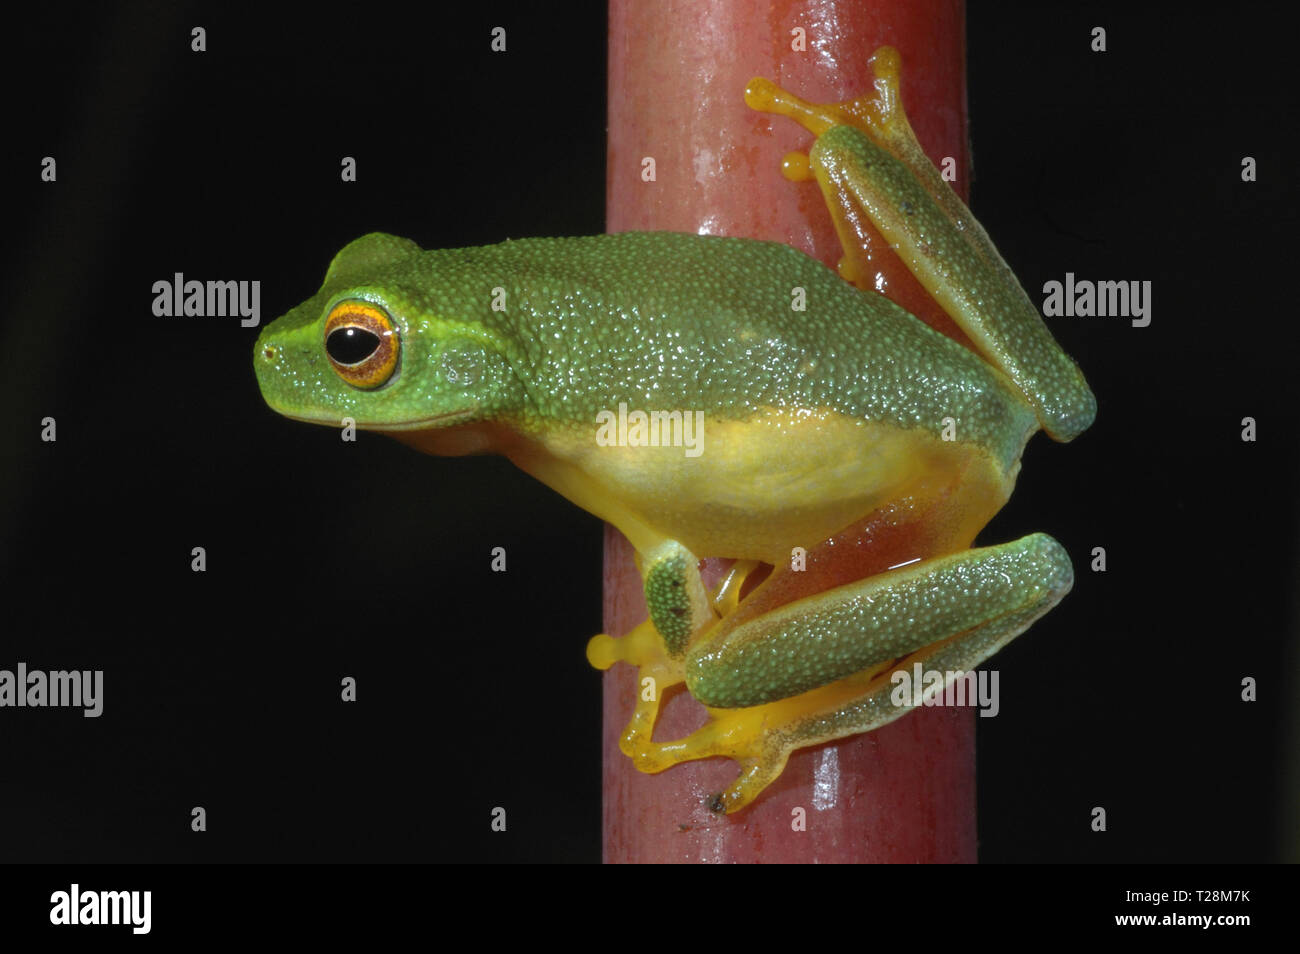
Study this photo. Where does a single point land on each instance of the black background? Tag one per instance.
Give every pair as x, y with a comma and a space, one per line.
327, 559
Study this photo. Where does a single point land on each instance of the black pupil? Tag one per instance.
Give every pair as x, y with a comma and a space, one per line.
351, 345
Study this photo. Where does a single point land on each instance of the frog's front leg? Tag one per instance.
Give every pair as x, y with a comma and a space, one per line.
656, 672
679, 610
821, 668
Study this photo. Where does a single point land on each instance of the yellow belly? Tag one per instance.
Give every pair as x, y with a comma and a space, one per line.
759, 487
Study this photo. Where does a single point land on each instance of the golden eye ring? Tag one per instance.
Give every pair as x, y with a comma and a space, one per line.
362, 344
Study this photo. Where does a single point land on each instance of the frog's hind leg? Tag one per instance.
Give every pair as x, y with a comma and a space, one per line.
869, 165
825, 667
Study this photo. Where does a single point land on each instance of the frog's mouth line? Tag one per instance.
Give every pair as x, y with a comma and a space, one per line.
425, 423
433, 421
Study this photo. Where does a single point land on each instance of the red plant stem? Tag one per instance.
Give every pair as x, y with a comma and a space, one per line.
677, 71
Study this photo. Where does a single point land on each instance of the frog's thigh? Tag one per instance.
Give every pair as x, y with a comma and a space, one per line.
820, 668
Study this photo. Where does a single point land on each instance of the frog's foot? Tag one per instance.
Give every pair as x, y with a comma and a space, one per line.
639, 647
656, 673
680, 609
737, 734
831, 665
879, 114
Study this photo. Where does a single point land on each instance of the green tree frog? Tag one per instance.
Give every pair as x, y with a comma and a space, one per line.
724, 397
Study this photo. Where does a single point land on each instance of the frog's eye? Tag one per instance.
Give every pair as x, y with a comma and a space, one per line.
362, 344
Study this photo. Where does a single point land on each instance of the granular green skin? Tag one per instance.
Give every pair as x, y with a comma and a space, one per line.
669, 604
657, 320
800, 647
973, 272
824, 405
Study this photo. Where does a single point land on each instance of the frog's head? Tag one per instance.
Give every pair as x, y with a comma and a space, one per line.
389, 342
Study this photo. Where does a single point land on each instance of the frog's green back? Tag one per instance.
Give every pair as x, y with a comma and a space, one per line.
672, 320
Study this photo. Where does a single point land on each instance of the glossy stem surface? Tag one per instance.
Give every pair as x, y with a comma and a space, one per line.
677, 72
